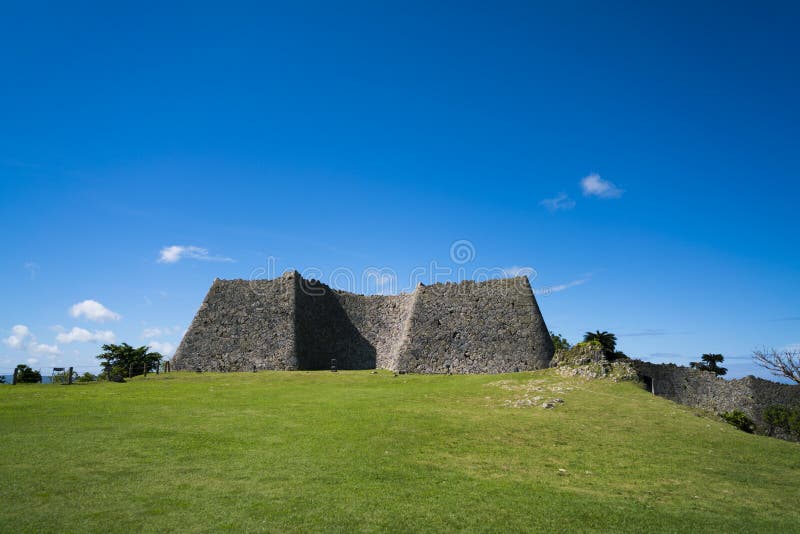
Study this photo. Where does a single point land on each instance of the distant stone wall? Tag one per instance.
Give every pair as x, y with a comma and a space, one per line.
705, 390
293, 323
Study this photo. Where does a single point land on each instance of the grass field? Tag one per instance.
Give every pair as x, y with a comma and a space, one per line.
321, 451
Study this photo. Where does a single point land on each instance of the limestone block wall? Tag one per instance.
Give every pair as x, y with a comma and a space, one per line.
242, 324
705, 390
293, 323
476, 327
381, 321
324, 331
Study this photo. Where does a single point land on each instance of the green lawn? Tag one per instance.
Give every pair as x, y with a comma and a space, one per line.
311, 451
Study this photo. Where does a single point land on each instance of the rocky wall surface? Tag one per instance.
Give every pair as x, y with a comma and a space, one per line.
476, 327
240, 325
381, 320
325, 331
705, 390
293, 323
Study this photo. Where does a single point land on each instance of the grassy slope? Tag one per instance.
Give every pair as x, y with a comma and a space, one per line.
354, 450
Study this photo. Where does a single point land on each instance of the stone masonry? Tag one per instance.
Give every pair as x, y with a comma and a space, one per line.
705, 390
291, 323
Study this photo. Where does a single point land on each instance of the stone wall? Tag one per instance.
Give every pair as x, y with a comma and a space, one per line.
293, 323
476, 327
381, 321
705, 390
242, 324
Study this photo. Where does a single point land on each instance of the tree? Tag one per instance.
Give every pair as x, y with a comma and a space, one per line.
709, 363
785, 363
609, 343
606, 339
560, 342
122, 359
26, 375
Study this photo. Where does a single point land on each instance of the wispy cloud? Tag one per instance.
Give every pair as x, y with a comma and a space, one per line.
94, 311
560, 202
82, 335
175, 253
516, 270
645, 332
595, 186
164, 348
664, 357
158, 331
545, 291
32, 268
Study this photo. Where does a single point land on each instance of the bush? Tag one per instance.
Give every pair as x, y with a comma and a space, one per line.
782, 418
26, 375
740, 420
560, 343
86, 377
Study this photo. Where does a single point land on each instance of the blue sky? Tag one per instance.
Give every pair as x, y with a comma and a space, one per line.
643, 160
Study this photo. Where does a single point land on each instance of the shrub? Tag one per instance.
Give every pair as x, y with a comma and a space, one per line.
26, 375
782, 418
740, 420
86, 377
560, 342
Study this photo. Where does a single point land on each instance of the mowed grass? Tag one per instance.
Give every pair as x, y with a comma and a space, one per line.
321, 451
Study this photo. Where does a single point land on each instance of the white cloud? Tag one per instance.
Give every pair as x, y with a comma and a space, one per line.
175, 253
561, 287
33, 361
559, 202
41, 348
515, 271
23, 339
94, 311
164, 348
83, 335
158, 331
32, 268
152, 332
19, 333
593, 185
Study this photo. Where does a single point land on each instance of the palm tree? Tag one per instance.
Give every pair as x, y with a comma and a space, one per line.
606, 339
710, 363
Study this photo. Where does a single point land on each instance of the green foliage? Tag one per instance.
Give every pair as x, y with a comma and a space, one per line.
740, 420
783, 418
86, 377
609, 343
606, 339
560, 342
2, 379
124, 359
26, 375
710, 362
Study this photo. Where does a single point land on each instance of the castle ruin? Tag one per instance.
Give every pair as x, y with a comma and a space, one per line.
290, 323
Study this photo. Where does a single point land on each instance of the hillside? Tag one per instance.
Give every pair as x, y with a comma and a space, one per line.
309, 451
